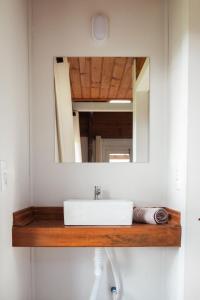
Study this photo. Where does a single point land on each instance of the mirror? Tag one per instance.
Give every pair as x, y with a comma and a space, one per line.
102, 109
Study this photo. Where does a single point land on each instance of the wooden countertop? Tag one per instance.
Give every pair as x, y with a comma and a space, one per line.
44, 227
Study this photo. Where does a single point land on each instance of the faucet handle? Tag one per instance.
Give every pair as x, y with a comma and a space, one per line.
97, 187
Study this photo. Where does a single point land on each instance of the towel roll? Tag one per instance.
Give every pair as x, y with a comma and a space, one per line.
150, 215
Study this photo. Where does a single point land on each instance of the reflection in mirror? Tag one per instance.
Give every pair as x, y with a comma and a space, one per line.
102, 109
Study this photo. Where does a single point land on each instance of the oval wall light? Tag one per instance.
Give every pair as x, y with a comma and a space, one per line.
100, 27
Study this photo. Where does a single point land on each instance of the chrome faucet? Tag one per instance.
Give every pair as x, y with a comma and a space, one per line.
97, 192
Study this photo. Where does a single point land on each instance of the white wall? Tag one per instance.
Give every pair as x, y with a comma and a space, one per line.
177, 130
137, 28
184, 143
192, 261
14, 145
178, 100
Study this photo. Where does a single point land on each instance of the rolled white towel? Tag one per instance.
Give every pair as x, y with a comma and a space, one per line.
150, 215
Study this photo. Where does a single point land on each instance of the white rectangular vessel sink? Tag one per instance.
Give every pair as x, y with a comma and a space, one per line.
98, 212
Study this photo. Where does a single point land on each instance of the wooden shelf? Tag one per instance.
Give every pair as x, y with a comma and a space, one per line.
44, 227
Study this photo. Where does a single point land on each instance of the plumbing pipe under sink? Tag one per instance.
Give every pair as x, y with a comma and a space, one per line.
99, 263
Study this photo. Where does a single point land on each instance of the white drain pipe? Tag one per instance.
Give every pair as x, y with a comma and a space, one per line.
115, 270
98, 270
99, 262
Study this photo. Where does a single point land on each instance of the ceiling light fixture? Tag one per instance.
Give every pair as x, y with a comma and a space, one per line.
100, 27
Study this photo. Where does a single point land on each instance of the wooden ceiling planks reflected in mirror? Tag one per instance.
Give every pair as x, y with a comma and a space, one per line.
102, 109
102, 78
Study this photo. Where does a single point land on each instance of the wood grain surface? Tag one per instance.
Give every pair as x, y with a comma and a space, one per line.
47, 230
102, 78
